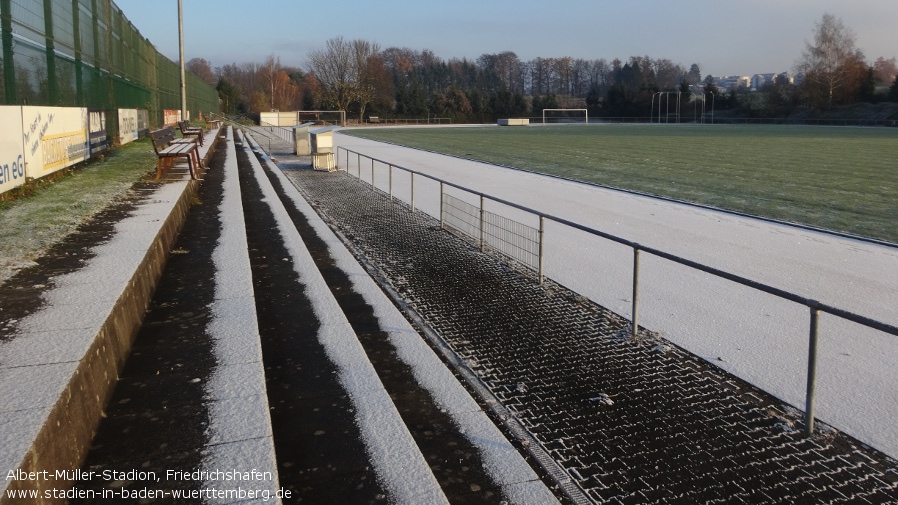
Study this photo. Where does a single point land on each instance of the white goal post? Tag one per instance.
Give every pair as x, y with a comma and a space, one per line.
584, 111
293, 118
329, 117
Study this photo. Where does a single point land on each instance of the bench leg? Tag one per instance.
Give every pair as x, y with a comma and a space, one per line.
191, 164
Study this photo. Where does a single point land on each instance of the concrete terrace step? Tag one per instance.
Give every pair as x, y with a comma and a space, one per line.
384, 430
65, 339
193, 398
194, 390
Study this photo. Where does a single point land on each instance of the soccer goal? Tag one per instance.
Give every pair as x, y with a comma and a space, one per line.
322, 117
565, 116
293, 118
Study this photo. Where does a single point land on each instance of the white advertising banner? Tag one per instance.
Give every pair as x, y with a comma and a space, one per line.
55, 138
12, 153
127, 125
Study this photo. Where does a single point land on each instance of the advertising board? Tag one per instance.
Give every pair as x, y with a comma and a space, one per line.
12, 153
170, 117
99, 140
127, 125
54, 138
143, 123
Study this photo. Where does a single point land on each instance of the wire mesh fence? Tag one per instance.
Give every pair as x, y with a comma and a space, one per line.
491, 231
461, 217
512, 239
86, 53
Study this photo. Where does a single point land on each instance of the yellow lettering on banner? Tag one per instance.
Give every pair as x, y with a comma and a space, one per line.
59, 149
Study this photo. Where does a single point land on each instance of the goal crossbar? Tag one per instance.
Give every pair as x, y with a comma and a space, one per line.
585, 111
318, 113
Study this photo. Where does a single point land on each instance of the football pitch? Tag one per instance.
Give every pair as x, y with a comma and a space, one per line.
843, 179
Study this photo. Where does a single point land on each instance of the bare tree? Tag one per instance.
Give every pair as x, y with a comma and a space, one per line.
600, 76
668, 75
270, 70
369, 71
333, 66
885, 70
201, 68
830, 62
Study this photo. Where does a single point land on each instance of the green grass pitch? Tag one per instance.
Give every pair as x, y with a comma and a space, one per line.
843, 179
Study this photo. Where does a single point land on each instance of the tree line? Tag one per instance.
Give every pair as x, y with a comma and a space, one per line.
361, 78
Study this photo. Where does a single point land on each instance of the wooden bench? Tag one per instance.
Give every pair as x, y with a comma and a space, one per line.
187, 131
168, 148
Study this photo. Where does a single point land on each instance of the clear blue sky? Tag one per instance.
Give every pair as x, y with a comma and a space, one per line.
722, 36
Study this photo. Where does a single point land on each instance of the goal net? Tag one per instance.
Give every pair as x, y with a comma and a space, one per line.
322, 117
293, 118
565, 116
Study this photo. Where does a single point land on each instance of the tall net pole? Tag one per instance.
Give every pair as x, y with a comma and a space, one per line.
181, 49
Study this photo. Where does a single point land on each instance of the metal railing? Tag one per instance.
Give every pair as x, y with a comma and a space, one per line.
283, 133
814, 307
489, 230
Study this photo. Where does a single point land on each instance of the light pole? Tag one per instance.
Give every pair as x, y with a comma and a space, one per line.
181, 49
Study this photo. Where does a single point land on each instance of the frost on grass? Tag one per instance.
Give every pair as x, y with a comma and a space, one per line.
58, 209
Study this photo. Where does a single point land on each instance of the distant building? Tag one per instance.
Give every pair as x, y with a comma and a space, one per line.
729, 82
758, 81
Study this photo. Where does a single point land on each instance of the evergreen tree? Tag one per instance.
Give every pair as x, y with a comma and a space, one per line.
229, 95
867, 90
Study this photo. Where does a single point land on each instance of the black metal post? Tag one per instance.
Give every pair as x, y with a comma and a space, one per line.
635, 292
812, 372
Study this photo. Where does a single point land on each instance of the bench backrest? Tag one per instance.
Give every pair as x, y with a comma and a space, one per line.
162, 138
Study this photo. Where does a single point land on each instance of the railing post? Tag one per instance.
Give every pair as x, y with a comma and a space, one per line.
358, 164
391, 183
635, 291
542, 234
812, 371
372, 174
442, 225
481, 223
413, 192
